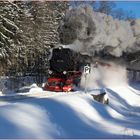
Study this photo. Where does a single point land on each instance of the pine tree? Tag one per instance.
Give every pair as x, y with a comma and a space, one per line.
27, 32
40, 31
8, 34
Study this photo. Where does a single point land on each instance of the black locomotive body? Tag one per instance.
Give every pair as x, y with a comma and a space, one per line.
65, 59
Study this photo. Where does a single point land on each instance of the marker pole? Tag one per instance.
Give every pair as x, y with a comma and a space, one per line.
85, 83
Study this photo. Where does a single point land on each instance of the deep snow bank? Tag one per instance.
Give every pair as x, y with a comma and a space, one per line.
73, 116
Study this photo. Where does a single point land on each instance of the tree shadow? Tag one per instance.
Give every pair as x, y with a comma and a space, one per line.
124, 107
116, 96
125, 122
67, 121
71, 125
7, 129
134, 92
135, 85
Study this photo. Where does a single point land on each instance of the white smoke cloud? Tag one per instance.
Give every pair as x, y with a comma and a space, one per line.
105, 76
92, 32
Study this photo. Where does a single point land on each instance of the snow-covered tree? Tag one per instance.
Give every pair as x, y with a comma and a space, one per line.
28, 29
9, 33
40, 31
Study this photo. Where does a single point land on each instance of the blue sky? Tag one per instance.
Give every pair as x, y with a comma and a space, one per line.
133, 6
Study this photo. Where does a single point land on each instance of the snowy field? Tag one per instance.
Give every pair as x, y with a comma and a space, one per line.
35, 113
73, 115
28, 112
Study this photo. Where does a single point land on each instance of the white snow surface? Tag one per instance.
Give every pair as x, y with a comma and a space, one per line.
73, 115
43, 114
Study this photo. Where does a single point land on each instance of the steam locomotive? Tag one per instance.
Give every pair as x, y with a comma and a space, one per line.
65, 70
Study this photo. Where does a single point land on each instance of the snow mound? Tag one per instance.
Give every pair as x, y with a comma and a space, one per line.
73, 115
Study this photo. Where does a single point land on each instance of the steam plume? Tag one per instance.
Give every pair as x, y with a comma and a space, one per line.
91, 32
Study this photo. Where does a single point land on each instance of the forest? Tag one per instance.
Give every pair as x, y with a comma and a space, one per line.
27, 31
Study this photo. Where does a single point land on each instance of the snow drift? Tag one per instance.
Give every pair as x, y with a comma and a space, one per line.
73, 115
91, 32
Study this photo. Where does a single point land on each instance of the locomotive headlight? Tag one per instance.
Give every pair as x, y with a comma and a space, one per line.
50, 72
64, 72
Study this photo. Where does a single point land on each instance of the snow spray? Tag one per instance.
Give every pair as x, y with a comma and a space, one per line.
104, 76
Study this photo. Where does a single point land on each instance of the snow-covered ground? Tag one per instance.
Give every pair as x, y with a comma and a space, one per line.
73, 115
